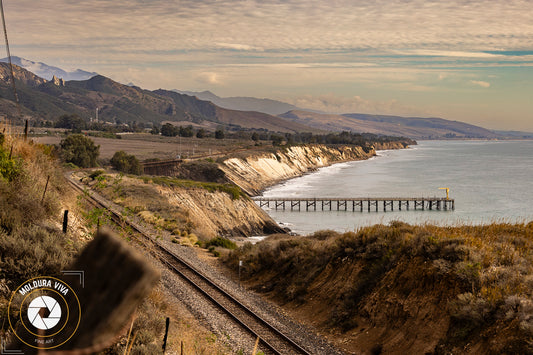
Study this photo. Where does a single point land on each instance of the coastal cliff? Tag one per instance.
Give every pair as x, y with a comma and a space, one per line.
185, 207
257, 172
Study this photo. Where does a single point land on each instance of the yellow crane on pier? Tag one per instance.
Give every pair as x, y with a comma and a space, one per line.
447, 191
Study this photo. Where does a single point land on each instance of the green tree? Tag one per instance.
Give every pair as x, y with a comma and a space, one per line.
219, 134
276, 139
73, 122
127, 163
155, 130
79, 150
201, 133
186, 131
255, 136
169, 130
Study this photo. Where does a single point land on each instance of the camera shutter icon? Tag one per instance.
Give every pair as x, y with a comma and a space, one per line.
44, 312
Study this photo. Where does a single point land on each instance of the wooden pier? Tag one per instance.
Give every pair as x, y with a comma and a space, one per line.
358, 204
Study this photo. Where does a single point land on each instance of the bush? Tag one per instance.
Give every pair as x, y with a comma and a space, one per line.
33, 251
79, 150
219, 134
9, 168
126, 163
221, 242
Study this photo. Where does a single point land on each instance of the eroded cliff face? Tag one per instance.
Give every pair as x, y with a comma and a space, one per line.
192, 209
255, 173
216, 213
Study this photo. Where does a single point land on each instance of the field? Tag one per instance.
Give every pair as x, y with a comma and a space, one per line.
147, 146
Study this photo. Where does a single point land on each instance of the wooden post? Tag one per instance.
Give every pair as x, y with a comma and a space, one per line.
65, 221
182, 351
166, 335
26, 131
45, 186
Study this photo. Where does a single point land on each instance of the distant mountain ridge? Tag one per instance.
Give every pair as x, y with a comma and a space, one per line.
242, 103
47, 72
412, 127
45, 99
117, 103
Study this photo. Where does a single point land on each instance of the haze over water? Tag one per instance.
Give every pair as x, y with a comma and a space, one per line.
489, 180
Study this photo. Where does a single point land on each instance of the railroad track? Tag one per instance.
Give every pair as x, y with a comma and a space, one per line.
271, 339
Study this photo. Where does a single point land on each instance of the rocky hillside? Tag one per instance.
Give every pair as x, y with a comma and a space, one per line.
117, 103
255, 173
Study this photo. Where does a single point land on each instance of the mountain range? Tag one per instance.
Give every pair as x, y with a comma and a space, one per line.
42, 98
243, 103
412, 127
47, 72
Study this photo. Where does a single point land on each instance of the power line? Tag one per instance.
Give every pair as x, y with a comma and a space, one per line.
9, 59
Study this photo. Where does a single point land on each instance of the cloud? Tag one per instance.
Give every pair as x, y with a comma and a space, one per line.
210, 78
442, 53
483, 84
239, 47
332, 103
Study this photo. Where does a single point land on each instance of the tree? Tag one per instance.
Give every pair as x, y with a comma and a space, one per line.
255, 136
79, 150
73, 122
155, 130
169, 130
201, 133
186, 131
126, 163
219, 134
276, 139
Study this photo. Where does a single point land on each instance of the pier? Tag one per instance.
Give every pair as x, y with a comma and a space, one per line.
357, 204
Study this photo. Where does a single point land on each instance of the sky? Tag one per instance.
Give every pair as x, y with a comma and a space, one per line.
470, 61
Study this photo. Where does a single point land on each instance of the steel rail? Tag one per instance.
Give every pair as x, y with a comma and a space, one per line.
210, 284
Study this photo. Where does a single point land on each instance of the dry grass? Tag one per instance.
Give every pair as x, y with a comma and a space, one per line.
488, 271
149, 327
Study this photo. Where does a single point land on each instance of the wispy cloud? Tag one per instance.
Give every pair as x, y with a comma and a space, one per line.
385, 49
339, 104
209, 78
483, 84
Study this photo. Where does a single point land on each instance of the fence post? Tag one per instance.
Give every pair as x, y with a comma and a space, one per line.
65, 221
45, 188
166, 335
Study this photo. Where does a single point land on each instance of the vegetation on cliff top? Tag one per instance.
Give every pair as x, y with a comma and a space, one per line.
476, 280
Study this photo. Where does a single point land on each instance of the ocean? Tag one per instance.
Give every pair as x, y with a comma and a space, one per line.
491, 181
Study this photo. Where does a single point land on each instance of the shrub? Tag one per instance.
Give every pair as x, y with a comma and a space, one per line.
221, 242
126, 163
9, 168
80, 150
219, 134
33, 251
